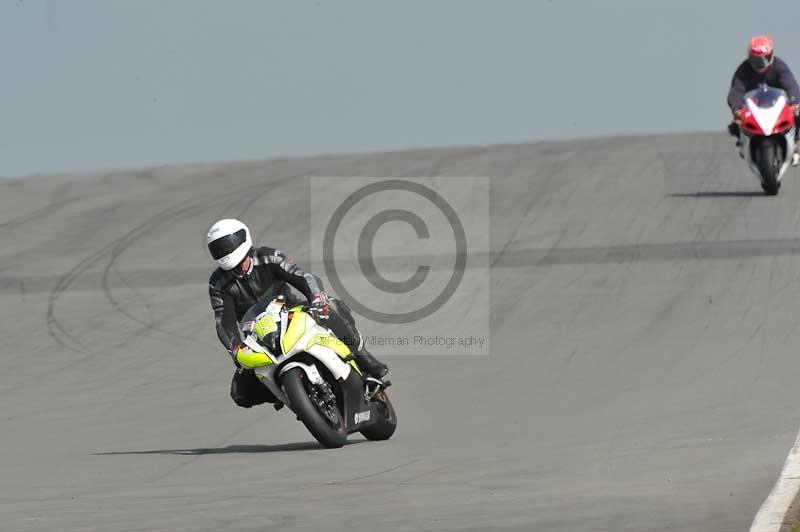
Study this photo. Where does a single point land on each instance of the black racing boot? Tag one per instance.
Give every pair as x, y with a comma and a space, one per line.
371, 365
733, 129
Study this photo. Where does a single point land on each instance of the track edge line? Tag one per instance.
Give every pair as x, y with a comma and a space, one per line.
773, 512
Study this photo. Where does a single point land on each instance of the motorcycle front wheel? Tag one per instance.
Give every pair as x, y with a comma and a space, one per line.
318, 413
769, 165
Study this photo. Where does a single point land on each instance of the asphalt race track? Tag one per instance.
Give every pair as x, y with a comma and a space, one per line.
642, 377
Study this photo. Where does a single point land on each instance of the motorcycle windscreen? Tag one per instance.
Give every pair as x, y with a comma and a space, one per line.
766, 105
262, 325
765, 98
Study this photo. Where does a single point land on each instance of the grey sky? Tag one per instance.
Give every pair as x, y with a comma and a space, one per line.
106, 84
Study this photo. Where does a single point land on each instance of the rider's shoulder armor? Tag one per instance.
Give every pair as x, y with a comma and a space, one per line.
219, 279
268, 255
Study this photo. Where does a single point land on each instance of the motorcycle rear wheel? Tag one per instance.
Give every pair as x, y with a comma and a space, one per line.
383, 429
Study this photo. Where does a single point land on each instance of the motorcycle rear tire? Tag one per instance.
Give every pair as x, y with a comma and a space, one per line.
383, 429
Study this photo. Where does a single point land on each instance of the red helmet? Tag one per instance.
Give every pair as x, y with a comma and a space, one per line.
760, 53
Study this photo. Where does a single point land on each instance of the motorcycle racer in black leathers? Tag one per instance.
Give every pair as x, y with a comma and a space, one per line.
247, 273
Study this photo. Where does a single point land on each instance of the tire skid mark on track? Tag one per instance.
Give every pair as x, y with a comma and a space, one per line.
536, 198
54, 328
136, 292
410, 481
115, 248
248, 201
372, 475
193, 458
55, 205
144, 229
58, 332
168, 215
65, 281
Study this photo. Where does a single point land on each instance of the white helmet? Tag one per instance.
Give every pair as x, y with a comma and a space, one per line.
229, 242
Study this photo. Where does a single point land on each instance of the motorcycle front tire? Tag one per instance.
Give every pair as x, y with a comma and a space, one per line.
294, 383
769, 167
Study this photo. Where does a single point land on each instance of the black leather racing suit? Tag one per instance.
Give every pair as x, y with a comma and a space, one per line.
271, 274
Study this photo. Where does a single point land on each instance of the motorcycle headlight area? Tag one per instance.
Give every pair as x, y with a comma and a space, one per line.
266, 330
264, 325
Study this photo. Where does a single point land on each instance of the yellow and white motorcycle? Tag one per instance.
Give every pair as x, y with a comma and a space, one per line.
311, 371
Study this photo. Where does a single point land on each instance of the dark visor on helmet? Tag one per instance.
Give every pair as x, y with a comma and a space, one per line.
760, 61
227, 244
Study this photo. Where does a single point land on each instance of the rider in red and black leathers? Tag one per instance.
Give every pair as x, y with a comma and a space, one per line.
746, 79
270, 274
762, 66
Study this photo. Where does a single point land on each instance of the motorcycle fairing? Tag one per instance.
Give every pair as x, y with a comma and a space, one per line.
353, 405
767, 117
307, 345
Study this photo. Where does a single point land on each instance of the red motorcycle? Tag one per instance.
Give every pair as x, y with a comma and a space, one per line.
766, 135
